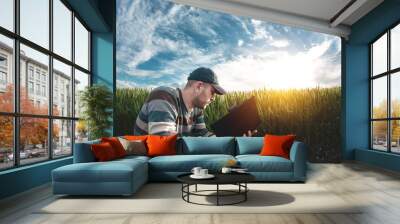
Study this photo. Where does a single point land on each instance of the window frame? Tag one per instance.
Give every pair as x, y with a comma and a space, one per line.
16, 114
388, 74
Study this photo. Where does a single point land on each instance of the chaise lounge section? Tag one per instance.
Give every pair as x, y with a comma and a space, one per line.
125, 176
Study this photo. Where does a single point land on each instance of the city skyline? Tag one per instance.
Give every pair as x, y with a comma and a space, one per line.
161, 42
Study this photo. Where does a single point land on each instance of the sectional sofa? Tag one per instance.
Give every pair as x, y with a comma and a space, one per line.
125, 176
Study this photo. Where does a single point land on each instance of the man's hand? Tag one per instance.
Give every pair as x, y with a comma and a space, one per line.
250, 133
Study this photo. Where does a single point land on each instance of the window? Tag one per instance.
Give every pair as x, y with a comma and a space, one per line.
54, 126
3, 61
385, 91
34, 21
7, 14
43, 90
3, 71
43, 77
38, 89
6, 73
30, 72
81, 45
37, 74
3, 78
30, 87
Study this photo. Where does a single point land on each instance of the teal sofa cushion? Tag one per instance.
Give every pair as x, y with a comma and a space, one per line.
207, 145
257, 163
98, 171
83, 153
249, 145
117, 177
185, 163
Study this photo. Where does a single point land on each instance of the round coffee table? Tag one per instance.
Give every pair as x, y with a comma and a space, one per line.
238, 179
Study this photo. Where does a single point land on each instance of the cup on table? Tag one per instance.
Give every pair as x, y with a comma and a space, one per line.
196, 171
203, 172
226, 170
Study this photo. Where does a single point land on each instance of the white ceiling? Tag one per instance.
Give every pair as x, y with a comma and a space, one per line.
314, 15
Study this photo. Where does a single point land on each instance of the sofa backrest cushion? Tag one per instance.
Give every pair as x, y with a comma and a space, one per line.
161, 145
83, 153
249, 145
207, 145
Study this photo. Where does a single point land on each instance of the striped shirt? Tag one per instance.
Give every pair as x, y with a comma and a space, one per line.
165, 113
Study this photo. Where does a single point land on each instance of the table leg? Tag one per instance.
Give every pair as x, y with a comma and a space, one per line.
245, 193
217, 194
196, 188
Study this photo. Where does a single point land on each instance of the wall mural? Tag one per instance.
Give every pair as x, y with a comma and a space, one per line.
295, 74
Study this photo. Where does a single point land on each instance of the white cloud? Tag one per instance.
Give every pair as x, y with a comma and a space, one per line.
279, 70
139, 39
260, 33
280, 43
143, 33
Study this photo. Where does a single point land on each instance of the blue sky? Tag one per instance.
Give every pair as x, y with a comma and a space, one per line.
160, 43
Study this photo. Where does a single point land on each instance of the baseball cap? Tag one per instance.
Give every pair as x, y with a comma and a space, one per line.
208, 76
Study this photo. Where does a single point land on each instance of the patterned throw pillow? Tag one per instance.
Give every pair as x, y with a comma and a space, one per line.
135, 147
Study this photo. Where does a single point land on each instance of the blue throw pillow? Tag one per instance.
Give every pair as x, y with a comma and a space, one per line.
249, 145
208, 145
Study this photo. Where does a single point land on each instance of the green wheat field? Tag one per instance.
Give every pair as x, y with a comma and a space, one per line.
312, 114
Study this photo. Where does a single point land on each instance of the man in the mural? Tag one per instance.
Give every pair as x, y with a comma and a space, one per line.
169, 111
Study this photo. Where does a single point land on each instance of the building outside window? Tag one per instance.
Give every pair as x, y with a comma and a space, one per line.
35, 53
385, 94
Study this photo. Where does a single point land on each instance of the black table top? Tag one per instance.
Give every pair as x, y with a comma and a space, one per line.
220, 178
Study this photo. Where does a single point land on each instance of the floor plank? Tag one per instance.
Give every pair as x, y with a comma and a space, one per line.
377, 190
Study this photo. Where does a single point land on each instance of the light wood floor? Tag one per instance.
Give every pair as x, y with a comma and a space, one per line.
377, 188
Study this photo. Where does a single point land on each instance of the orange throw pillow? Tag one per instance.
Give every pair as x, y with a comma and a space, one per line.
161, 145
103, 151
136, 137
277, 145
116, 145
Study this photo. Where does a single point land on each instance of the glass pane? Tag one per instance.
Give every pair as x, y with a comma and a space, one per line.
395, 47
395, 94
7, 14
81, 81
81, 131
379, 135
62, 29
34, 97
62, 138
33, 140
395, 136
379, 55
6, 74
6, 142
35, 21
81, 45
62, 89
379, 98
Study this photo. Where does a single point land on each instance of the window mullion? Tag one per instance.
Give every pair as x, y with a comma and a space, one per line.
73, 82
389, 76
50, 81
16, 84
